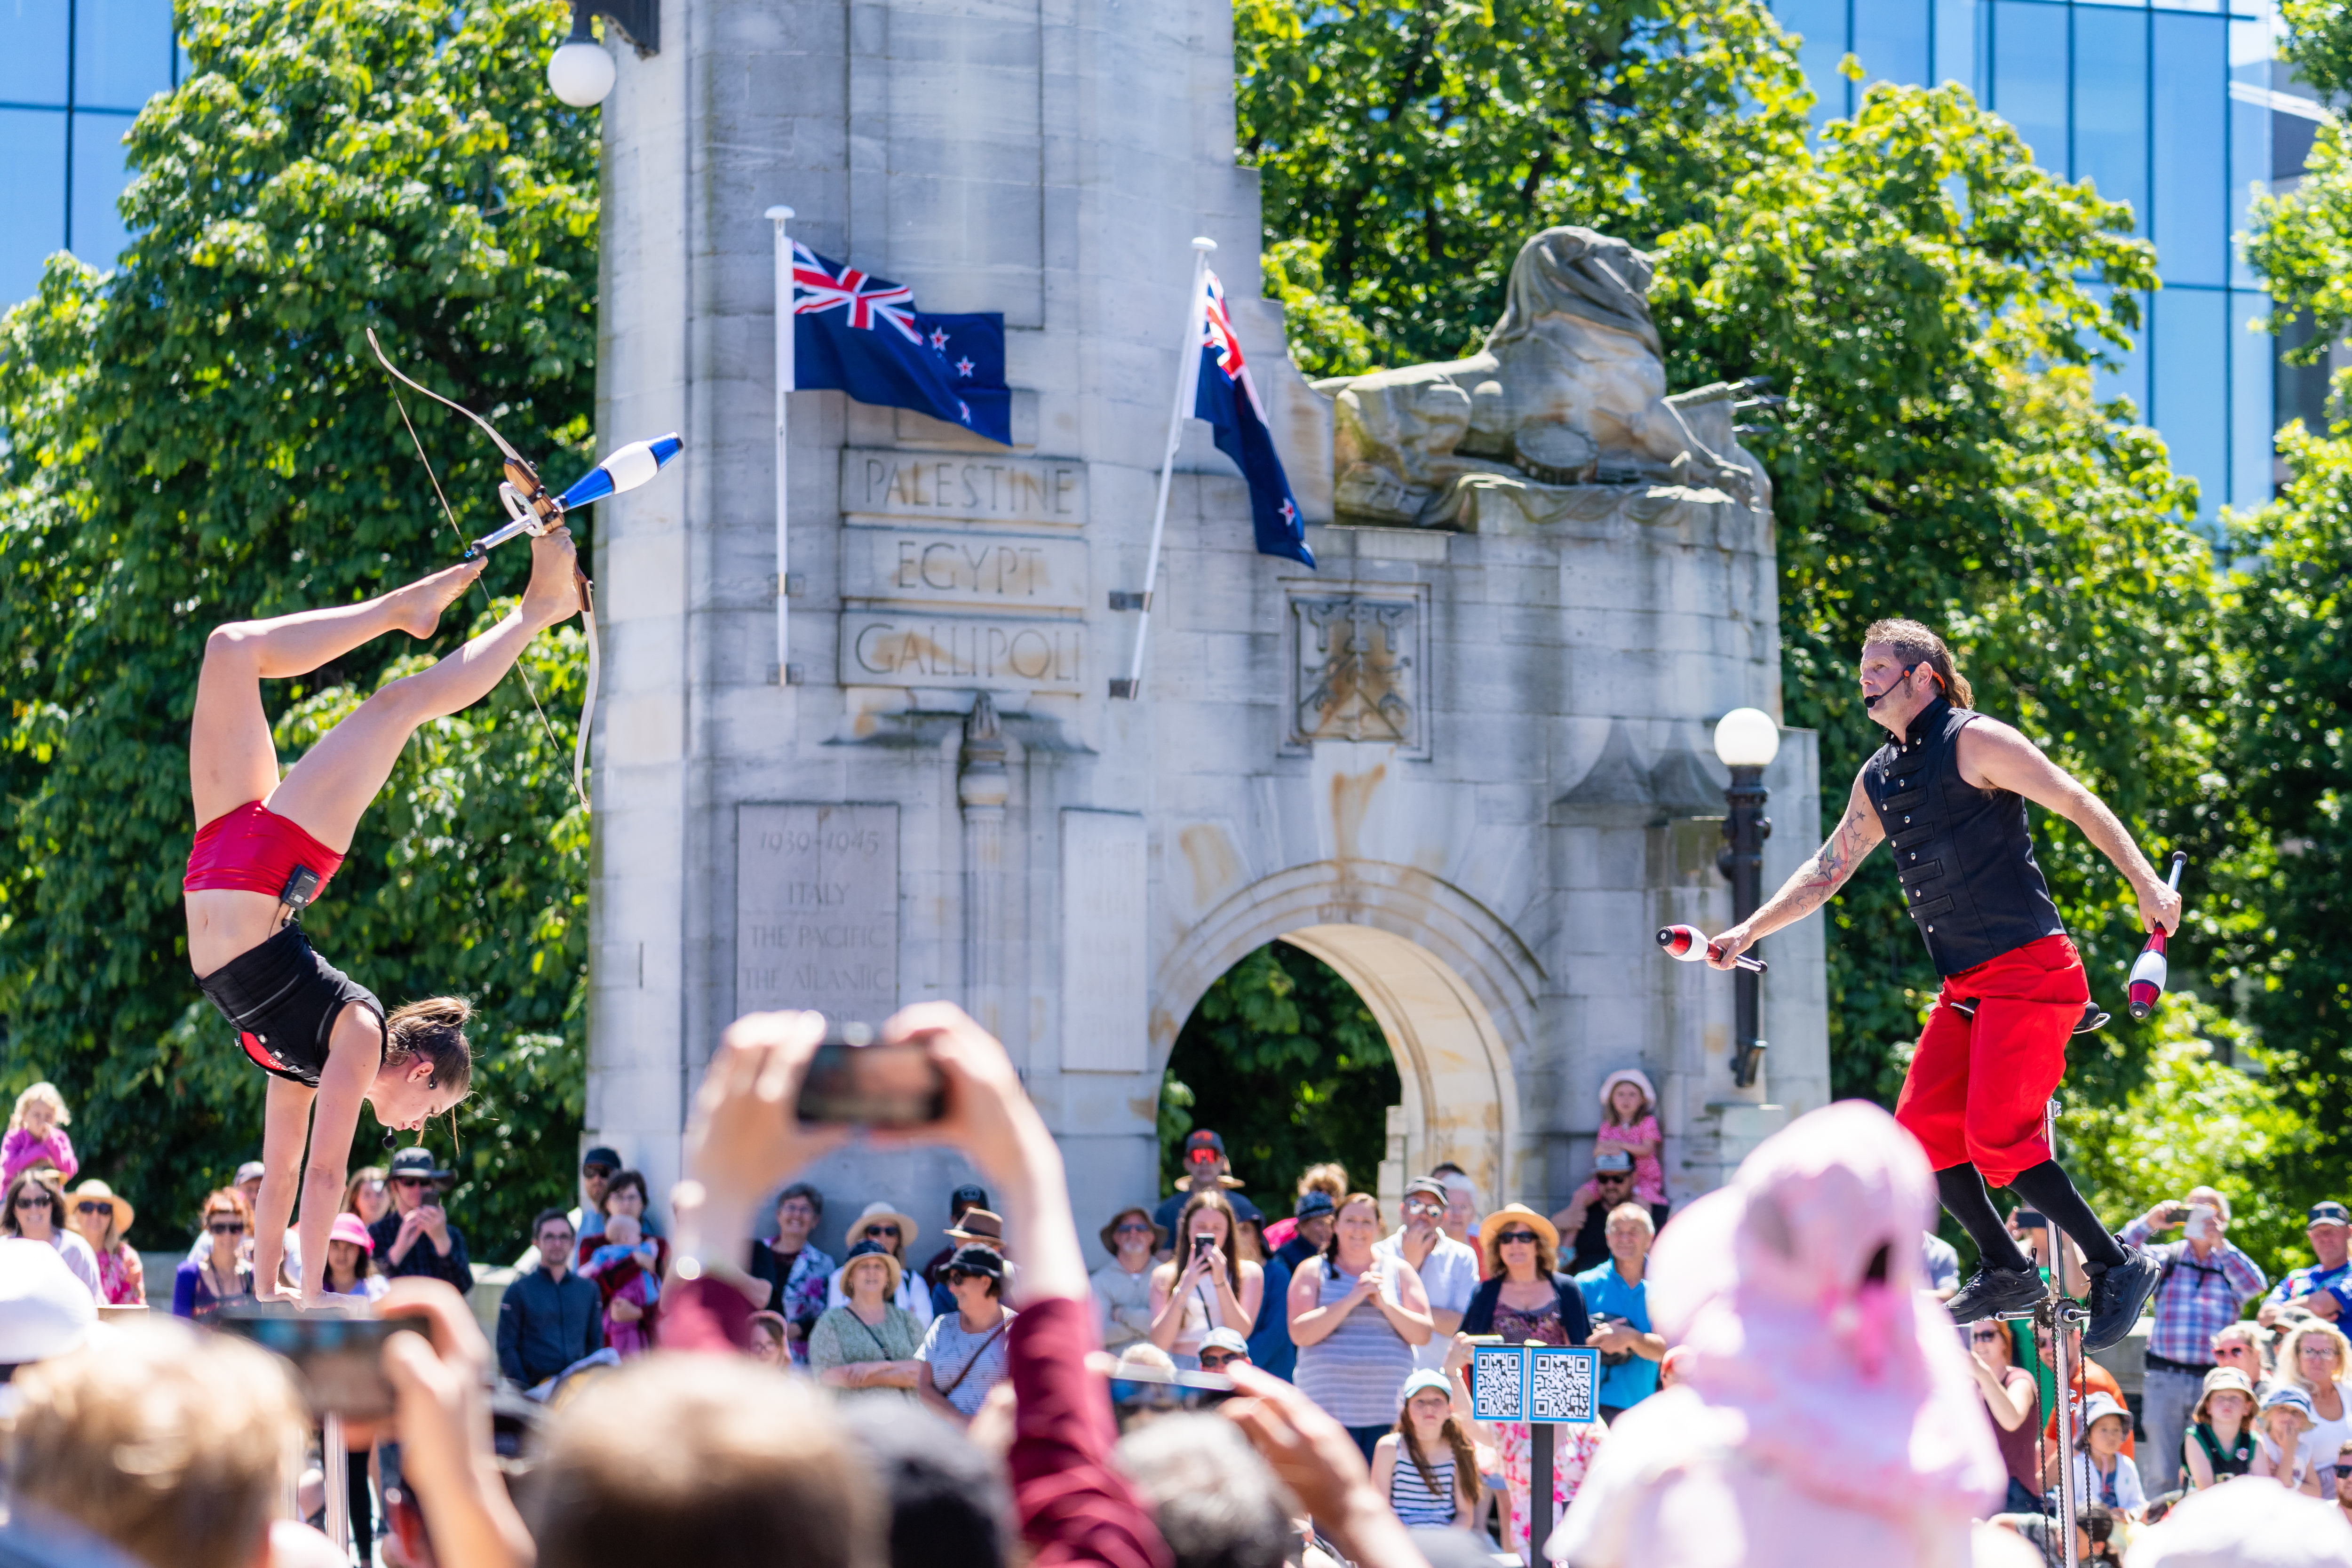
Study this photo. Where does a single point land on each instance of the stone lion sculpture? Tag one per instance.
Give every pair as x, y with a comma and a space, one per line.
1570, 390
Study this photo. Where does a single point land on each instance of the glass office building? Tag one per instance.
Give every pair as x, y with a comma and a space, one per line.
73, 74
2166, 106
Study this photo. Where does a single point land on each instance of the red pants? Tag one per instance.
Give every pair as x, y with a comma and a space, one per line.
1978, 1087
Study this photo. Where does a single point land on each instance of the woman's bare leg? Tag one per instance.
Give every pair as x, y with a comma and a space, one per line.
231, 758
326, 792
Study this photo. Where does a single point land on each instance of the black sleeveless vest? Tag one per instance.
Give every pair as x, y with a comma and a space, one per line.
1963, 854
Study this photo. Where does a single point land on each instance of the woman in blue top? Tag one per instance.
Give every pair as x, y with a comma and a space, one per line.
220, 1275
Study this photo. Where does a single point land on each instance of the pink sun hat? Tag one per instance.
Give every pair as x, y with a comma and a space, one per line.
347, 1227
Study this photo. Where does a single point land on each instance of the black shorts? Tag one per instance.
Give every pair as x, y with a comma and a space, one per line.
283, 1000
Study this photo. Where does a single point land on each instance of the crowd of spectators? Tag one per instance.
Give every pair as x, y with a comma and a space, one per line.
905, 1409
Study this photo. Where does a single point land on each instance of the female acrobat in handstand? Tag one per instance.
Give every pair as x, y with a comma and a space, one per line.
267, 845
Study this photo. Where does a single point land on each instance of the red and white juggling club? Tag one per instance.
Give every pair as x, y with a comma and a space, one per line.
2148, 974
1690, 944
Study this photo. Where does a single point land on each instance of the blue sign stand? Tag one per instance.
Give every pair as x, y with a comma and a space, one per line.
1546, 1386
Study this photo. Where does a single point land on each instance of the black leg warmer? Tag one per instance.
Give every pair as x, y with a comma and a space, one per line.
2046, 1188
1964, 1194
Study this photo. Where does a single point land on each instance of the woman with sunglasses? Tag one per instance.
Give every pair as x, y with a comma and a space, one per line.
894, 1232
37, 1212
100, 1218
1527, 1298
204, 1285
2013, 1400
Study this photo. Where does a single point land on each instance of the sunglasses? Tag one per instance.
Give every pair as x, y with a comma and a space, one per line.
889, 1230
1516, 1237
87, 1208
226, 1227
413, 1182
1422, 1206
1990, 1336
597, 1173
1217, 1361
35, 1201
1132, 1228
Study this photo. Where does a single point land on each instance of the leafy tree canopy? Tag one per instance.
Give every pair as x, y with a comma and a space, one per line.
201, 436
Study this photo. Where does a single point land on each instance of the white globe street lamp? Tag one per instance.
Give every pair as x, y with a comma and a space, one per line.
581, 71
1747, 737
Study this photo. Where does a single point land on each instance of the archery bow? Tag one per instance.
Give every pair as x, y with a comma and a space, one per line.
531, 510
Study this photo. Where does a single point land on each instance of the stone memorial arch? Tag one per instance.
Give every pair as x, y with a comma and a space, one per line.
1465, 761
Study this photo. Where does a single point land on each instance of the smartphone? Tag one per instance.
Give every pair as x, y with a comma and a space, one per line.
338, 1357
1140, 1394
1203, 1243
2027, 1219
872, 1085
2176, 1211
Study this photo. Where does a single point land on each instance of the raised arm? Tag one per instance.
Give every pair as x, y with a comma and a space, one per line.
1993, 756
1855, 836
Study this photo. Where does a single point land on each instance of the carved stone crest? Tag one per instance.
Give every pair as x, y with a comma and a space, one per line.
1359, 668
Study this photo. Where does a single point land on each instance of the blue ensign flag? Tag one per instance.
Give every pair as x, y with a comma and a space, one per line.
1228, 401
857, 333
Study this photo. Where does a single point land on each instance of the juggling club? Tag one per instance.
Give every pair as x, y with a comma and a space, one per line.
1689, 944
2148, 974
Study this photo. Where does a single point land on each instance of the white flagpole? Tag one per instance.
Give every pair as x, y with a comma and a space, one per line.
1188, 370
780, 216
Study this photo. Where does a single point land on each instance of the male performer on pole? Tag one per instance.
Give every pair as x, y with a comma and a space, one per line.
1944, 793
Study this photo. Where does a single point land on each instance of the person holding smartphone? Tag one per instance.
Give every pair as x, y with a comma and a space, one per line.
2204, 1283
1208, 1284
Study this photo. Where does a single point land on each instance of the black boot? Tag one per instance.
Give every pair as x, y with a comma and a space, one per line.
2118, 1292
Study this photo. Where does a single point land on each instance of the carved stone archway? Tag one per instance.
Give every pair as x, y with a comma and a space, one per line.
1454, 989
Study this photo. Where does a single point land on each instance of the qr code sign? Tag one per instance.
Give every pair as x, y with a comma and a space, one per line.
1560, 1384
1496, 1391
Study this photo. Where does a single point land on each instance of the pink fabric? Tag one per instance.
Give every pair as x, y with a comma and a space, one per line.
21, 1151
121, 1276
1823, 1416
1649, 1176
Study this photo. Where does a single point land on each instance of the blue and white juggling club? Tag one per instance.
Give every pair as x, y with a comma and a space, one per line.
624, 469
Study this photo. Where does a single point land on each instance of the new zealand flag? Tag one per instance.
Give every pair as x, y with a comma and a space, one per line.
857, 333
1228, 400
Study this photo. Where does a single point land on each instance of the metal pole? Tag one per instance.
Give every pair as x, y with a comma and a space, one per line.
780, 216
1742, 861
334, 1466
1188, 370
1542, 1436
2060, 1311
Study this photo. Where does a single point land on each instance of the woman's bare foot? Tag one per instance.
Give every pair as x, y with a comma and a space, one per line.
417, 609
553, 593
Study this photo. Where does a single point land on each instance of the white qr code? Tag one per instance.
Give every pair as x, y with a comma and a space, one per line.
1560, 1384
1495, 1384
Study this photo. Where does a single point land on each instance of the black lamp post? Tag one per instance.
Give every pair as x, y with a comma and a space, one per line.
1747, 740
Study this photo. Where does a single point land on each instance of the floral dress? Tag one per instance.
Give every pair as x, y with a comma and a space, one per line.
1573, 1448
799, 1297
121, 1276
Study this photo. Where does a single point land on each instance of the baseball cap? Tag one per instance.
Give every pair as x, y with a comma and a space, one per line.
601, 1155
1426, 1377
1228, 1339
1428, 1184
251, 1171
968, 1196
414, 1162
2328, 1212
1613, 1160
1205, 1140
974, 1258
1314, 1201
44, 1310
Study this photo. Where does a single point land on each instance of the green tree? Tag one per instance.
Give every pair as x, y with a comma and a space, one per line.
1414, 147
1931, 303
201, 436
1285, 1062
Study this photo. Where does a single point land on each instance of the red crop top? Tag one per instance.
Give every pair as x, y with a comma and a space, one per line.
254, 850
